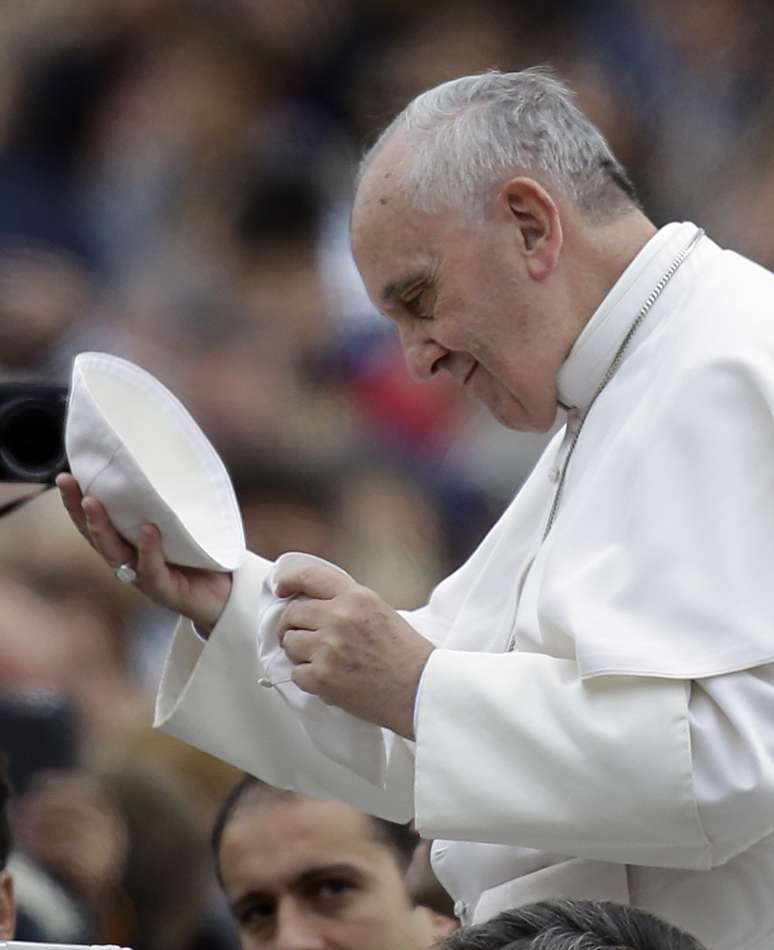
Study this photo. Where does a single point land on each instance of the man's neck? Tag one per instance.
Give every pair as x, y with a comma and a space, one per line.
601, 253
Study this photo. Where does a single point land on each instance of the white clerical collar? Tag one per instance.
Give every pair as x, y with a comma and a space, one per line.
593, 351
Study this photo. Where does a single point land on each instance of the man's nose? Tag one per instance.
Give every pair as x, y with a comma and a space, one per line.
422, 354
297, 928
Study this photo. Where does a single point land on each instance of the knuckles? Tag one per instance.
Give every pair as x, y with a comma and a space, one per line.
286, 621
316, 678
353, 606
356, 605
303, 577
364, 599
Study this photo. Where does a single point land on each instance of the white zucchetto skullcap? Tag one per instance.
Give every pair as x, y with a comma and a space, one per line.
134, 446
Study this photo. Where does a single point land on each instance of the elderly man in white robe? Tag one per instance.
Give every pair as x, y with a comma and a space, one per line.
586, 707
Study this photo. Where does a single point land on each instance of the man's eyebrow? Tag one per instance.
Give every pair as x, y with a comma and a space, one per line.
306, 877
328, 870
397, 288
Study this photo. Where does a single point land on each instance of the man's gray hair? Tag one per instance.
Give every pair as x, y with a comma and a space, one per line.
564, 924
469, 135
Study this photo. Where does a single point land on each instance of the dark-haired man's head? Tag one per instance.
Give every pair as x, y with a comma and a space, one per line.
7, 903
565, 924
312, 875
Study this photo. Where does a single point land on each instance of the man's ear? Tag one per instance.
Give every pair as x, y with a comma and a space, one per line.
7, 906
539, 228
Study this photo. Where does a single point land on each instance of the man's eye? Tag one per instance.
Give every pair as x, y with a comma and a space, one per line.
333, 889
426, 306
420, 306
256, 913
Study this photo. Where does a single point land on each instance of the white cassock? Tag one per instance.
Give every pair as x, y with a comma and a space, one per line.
598, 717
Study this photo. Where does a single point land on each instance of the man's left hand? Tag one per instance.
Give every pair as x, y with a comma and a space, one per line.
351, 648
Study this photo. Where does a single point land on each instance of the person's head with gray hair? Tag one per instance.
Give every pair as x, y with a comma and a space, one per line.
470, 134
490, 221
565, 924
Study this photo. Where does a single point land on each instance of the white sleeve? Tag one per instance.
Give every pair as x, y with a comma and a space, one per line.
731, 720
517, 749
209, 697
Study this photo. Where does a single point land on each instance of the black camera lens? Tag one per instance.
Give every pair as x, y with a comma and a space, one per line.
32, 432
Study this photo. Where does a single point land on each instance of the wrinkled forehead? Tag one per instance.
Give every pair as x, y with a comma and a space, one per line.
388, 161
386, 172
271, 846
389, 237
380, 199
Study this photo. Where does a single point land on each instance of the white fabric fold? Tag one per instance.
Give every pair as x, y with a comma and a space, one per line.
209, 696
351, 742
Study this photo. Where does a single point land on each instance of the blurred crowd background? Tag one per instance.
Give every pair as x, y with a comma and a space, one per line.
175, 187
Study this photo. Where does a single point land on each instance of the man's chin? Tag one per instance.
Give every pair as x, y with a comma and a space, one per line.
517, 419
510, 420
